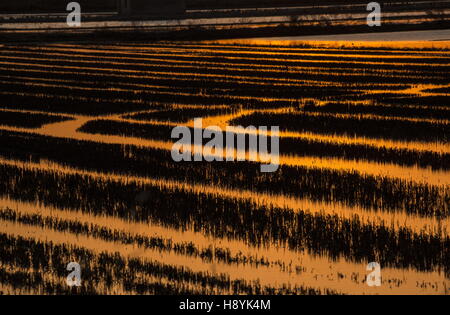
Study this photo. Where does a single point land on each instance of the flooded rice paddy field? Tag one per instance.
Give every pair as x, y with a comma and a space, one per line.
87, 175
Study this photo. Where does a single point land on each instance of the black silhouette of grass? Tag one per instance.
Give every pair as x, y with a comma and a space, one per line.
386, 111
351, 126
347, 91
288, 146
28, 120
104, 268
181, 115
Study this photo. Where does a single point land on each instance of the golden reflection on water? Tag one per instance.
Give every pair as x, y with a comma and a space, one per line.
395, 220
317, 272
370, 168
285, 267
69, 129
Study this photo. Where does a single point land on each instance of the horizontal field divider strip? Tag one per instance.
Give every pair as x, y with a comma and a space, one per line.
185, 94
309, 47
240, 66
64, 97
10, 110
119, 85
237, 67
302, 83
224, 69
190, 75
377, 46
62, 27
159, 107
362, 116
332, 79
248, 58
30, 120
97, 74
214, 52
76, 84
204, 58
205, 21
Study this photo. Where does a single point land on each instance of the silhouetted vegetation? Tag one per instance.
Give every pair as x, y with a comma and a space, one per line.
440, 90
28, 120
104, 267
181, 115
388, 111
232, 214
350, 126
232, 218
288, 146
425, 101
